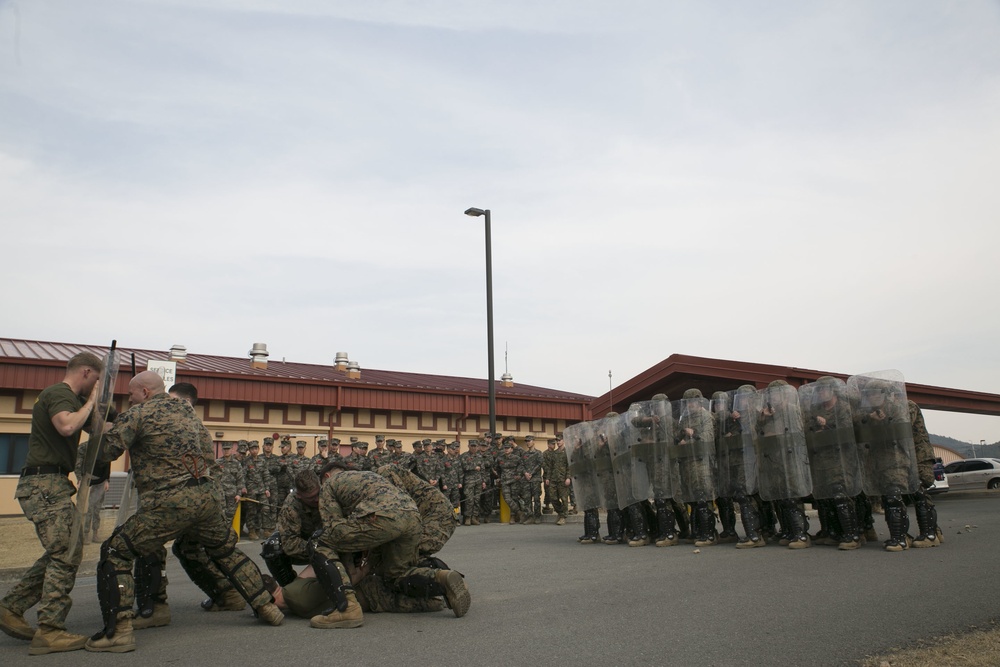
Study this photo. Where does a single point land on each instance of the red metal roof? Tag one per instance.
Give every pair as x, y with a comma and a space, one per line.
15, 351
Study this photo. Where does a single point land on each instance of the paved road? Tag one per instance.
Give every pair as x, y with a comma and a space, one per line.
539, 597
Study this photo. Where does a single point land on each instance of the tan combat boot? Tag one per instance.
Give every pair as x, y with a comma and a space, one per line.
270, 614
231, 601
51, 640
352, 617
160, 617
456, 592
561, 521
122, 642
475, 521
14, 625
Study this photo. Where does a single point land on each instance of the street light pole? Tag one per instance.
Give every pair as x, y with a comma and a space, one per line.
477, 212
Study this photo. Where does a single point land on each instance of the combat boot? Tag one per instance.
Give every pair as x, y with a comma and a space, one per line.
561, 521
159, 618
751, 525
898, 522
727, 517
270, 614
123, 640
930, 535
231, 601
473, 521
351, 617
798, 528
253, 536
616, 526
50, 640
547, 509
14, 625
706, 535
591, 528
574, 510
455, 591
640, 533
467, 522
847, 518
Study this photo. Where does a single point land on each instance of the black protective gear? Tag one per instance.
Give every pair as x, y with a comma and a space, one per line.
798, 527
420, 586
616, 527
591, 527
684, 529
277, 560
750, 518
329, 576
898, 521
666, 528
930, 533
110, 583
637, 521
240, 580
704, 522
148, 576
204, 579
433, 562
863, 507
768, 519
727, 517
847, 518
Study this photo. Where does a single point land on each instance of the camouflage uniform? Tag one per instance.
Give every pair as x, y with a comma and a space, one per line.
930, 533
475, 477
380, 455
45, 495
297, 521
229, 472
300, 461
436, 513
257, 481
359, 459
547, 464
323, 456
557, 475
273, 467
98, 489
452, 478
429, 466
531, 487
511, 467
285, 478
171, 456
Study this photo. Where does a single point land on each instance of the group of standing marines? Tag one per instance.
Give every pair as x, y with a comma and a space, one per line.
660, 468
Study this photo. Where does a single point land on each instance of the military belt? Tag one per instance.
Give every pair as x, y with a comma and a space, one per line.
44, 470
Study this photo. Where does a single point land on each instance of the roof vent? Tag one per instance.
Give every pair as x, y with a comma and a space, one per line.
258, 356
353, 370
340, 362
507, 380
178, 353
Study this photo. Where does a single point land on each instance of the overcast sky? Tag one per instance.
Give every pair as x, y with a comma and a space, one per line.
795, 183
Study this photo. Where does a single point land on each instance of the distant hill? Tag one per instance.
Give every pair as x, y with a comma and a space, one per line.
966, 448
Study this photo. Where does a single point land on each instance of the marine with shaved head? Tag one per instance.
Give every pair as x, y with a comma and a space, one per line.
172, 458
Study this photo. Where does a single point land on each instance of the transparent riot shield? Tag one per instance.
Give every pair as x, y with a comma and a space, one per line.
130, 501
98, 417
735, 430
629, 485
692, 456
782, 458
833, 452
884, 434
649, 427
580, 442
606, 430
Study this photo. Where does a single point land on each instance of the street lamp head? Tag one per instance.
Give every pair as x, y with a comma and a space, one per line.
475, 212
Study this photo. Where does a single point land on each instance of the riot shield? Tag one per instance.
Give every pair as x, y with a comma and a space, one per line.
98, 417
606, 430
692, 456
884, 434
580, 439
782, 458
829, 430
622, 439
736, 427
649, 427
130, 501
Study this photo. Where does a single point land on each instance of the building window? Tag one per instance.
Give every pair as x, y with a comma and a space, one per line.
13, 452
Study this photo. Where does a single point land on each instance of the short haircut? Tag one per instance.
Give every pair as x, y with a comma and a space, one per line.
185, 390
85, 360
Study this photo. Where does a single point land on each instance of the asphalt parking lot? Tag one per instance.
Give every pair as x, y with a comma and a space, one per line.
539, 597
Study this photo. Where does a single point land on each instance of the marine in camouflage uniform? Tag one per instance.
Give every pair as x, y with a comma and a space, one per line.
258, 479
299, 517
322, 457
557, 480
436, 513
45, 493
511, 467
550, 448
475, 477
452, 478
930, 533
363, 511
427, 464
171, 455
359, 456
274, 500
284, 479
300, 461
232, 482
380, 455
531, 488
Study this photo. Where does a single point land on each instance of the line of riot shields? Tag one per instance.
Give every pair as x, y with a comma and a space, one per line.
828, 439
